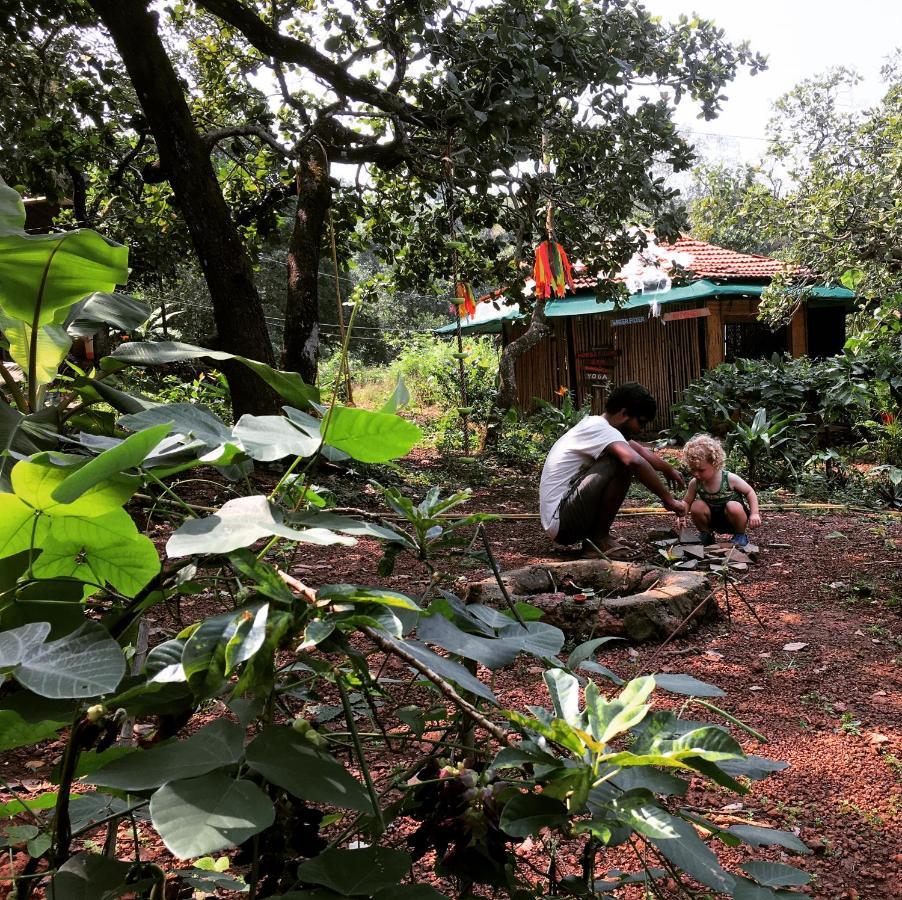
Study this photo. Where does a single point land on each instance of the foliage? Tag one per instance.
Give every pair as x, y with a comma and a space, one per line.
767, 443
833, 395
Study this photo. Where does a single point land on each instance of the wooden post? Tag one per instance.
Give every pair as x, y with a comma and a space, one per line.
798, 332
715, 334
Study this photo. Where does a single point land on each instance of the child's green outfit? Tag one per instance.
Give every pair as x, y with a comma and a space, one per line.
717, 502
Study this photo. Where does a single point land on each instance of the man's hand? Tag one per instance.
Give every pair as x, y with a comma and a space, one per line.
754, 520
674, 478
675, 506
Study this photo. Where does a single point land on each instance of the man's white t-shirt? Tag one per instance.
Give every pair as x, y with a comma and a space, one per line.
579, 447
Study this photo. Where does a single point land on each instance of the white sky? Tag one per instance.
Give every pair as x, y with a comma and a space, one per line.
800, 38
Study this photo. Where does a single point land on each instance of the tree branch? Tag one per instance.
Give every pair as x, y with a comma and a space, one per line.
211, 138
291, 50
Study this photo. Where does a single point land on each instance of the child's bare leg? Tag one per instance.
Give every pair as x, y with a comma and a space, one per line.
736, 516
700, 513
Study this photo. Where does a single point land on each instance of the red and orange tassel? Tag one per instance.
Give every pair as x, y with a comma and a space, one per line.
552, 272
467, 300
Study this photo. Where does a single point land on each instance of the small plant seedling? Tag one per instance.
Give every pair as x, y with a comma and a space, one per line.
849, 725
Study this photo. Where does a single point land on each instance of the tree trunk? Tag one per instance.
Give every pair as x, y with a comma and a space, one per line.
185, 160
506, 398
302, 302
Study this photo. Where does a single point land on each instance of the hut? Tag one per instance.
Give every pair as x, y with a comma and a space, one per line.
692, 305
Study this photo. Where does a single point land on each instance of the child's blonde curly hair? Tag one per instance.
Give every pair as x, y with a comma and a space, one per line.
702, 448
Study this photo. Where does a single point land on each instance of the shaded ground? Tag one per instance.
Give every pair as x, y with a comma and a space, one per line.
831, 709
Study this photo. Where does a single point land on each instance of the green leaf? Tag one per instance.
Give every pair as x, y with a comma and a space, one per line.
52, 345
315, 518
609, 718
354, 593
564, 691
446, 668
686, 850
218, 744
35, 480
526, 814
122, 311
106, 549
12, 211
16, 732
43, 273
193, 420
240, 523
285, 758
209, 813
400, 398
265, 577
586, 650
367, 436
775, 874
353, 873
17, 806
17, 525
756, 836
127, 455
686, 684
86, 663
220, 643
25, 435
18, 644
91, 876
267, 438
288, 385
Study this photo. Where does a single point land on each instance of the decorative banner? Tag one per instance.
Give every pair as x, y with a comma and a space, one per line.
687, 314
467, 306
635, 320
552, 272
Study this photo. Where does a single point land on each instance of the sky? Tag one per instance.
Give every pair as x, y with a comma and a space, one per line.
801, 38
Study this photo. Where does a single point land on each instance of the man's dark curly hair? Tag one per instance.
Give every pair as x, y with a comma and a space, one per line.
634, 398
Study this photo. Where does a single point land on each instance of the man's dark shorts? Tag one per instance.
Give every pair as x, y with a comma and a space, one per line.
580, 512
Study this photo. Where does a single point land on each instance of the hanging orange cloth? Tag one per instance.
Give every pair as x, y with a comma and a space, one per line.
467, 305
552, 272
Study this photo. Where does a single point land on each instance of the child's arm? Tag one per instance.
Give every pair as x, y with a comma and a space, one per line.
690, 493
747, 491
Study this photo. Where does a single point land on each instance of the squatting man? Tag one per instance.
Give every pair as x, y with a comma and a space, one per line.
589, 470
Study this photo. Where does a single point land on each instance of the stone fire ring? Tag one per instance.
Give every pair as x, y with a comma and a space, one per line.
632, 600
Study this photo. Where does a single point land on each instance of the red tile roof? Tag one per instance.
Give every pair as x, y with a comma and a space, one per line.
701, 259
720, 264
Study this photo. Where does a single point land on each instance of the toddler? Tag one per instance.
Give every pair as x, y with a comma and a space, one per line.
718, 500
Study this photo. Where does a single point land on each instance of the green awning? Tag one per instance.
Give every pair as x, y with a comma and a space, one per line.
582, 305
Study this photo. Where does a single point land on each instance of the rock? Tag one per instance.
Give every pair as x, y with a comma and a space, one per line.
689, 536
661, 534
794, 646
687, 564
696, 551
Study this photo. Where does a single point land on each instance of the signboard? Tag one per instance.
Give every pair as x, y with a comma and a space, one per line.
687, 314
593, 374
635, 320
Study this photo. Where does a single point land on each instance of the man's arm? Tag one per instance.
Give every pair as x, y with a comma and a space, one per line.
659, 464
642, 469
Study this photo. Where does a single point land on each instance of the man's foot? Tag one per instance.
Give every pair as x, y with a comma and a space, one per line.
705, 538
739, 540
609, 549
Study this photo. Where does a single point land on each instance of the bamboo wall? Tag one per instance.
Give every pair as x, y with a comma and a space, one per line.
664, 356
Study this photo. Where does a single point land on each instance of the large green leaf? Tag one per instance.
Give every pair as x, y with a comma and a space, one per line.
17, 643
17, 525
371, 437
92, 876
35, 481
355, 593
563, 688
16, 732
757, 836
222, 642
12, 210
25, 435
284, 758
446, 668
686, 684
43, 273
202, 815
320, 518
775, 875
190, 419
355, 873
686, 850
101, 308
51, 346
267, 438
526, 814
127, 455
288, 385
86, 663
103, 549
609, 718
215, 745
240, 523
